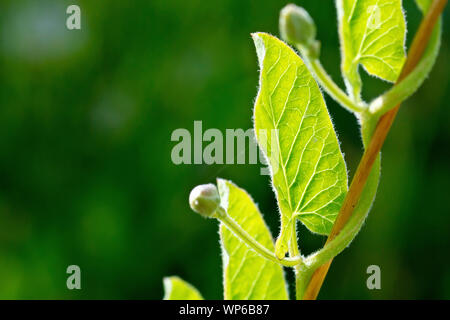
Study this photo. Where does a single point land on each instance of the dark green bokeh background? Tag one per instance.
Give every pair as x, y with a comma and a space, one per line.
86, 176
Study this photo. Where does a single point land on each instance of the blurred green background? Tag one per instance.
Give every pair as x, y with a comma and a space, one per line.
86, 176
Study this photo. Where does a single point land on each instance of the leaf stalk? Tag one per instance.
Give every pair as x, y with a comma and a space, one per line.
327, 83
239, 232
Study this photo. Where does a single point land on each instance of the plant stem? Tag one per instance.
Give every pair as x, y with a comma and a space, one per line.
252, 243
328, 84
294, 252
302, 278
364, 168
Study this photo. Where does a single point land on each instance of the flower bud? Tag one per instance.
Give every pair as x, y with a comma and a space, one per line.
205, 200
297, 26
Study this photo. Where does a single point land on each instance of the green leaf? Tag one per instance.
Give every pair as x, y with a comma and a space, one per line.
177, 289
307, 167
403, 90
372, 33
247, 275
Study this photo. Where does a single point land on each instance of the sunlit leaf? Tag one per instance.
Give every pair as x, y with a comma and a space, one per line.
372, 33
308, 169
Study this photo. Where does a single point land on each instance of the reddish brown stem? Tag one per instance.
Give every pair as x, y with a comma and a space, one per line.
383, 126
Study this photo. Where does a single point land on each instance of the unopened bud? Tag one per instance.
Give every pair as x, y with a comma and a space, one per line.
205, 200
297, 26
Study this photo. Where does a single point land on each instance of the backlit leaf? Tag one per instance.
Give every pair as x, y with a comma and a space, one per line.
372, 33
295, 132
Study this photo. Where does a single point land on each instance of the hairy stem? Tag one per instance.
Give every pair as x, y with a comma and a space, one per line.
371, 153
295, 252
252, 243
328, 84
302, 277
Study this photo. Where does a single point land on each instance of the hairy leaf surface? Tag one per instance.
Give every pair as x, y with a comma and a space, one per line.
247, 275
295, 132
372, 33
178, 289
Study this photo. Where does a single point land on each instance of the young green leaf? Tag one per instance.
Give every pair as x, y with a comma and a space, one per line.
247, 275
178, 289
295, 132
403, 90
372, 33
